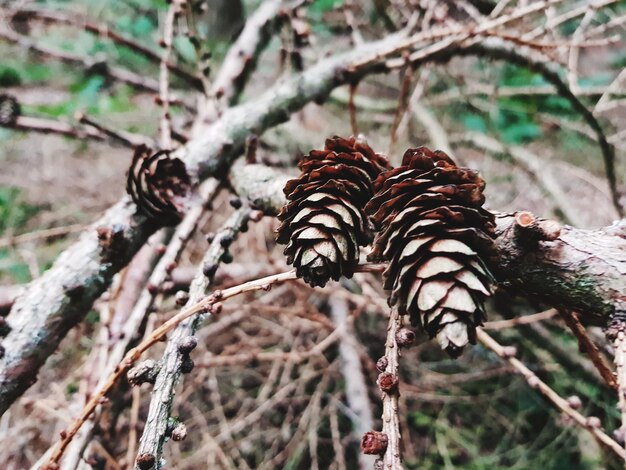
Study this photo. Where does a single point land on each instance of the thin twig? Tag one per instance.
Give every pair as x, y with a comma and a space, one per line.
348, 11
587, 345
60, 17
352, 109
56, 126
164, 77
127, 138
117, 73
525, 320
41, 235
558, 401
392, 459
403, 102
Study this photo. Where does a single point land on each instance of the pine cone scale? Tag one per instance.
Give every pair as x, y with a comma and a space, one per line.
435, 234
324, 223
159, 185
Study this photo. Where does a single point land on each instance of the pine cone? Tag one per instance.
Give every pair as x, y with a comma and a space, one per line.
159, 185
9, 110
324, 223
436, 236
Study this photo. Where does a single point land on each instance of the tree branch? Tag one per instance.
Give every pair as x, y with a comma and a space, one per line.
565, 267
155, 430
558, 401
59, 17
122, 75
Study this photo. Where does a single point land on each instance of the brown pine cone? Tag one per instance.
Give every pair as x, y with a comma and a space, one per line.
159, 185
9, 110
435, 235
324, 223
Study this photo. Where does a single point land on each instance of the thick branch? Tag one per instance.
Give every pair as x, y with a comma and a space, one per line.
56, 301
581, 270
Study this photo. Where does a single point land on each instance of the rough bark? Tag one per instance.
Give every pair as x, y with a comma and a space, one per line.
580, 270
52, 304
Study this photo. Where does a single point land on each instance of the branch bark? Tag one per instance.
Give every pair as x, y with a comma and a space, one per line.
155, 430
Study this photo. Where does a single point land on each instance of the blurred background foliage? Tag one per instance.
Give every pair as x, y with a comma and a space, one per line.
473, 413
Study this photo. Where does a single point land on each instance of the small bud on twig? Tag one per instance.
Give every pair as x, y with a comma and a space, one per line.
594, 422
187, 365
144, 372
209, 269
387, 382
256, 215
187, 345
509, 351
575, 402
182, 297
145, 461
374, 443
405, 337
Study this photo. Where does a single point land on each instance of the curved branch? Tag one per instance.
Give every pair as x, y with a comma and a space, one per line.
508, 50
59, 17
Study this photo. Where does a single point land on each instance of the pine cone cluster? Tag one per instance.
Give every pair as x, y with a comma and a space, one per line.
159, 185
9, 110
435, 235
324, 223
